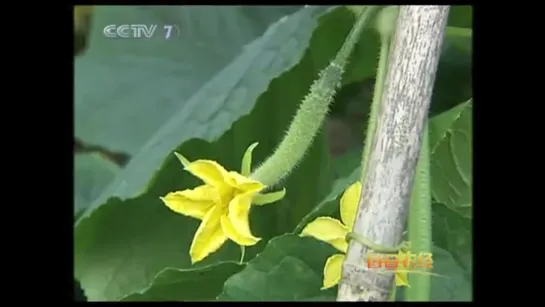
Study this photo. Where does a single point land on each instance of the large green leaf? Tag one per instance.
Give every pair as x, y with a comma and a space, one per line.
92, 172
125, 244
222, 100
454, 233
289, 269
454, 282
187, 285
451, 154
451, 173
451, 282
126, 89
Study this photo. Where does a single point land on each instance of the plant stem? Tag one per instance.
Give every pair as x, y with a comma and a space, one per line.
393, 293
242, 253
311, 113
420, 223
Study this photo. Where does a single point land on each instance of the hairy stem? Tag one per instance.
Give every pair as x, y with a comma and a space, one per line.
311, 113
420, 223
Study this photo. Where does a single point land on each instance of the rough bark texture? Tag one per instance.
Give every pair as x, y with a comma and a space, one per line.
394, 153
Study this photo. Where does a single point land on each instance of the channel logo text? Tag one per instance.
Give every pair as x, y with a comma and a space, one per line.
141, 31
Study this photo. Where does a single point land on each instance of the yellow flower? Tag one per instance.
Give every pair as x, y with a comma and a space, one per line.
401, 275
334, 232
222, 203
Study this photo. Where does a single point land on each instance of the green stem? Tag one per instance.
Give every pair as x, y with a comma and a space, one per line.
311, 113
242, 253
375, 105
420, 223
393, 293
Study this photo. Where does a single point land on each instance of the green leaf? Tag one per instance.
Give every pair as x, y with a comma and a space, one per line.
454, 233
125, 244
229, 95
454, 284
199, 284
92, 172
289, 269
126, 89
451, 154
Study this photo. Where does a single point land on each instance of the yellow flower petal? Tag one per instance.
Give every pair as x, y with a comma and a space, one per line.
236, 224
232, 233
332, 271
210, 172
401, 279
267, 198
192, 202
209, 236
245, 184
349, 204
328, 230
